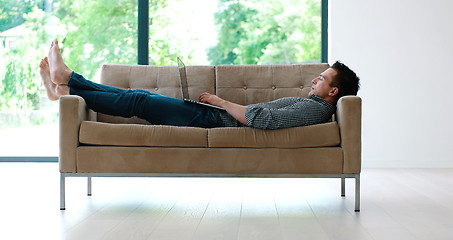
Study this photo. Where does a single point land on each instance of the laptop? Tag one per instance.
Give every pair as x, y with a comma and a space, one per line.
185, 87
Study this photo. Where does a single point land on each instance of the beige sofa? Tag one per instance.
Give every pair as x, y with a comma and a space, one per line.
97, 145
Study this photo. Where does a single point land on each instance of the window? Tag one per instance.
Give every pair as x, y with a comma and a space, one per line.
105, 31
236, 32
90, 33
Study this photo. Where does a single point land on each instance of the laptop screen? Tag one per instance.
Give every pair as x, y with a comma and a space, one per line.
183, 79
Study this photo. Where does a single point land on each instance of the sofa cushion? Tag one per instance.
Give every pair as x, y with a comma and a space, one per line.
320, 135
248, 84
106, 134
159, 79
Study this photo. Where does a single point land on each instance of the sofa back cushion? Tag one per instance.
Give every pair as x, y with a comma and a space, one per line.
160, 79
248, 84
243, 84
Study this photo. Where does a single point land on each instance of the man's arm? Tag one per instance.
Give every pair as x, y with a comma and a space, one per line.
235, 110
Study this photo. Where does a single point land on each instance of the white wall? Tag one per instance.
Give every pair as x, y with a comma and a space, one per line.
402, 50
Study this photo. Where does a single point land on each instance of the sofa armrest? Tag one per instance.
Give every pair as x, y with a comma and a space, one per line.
73, 110
349, 118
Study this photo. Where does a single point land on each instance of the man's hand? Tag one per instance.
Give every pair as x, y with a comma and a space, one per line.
211, 99
235, 110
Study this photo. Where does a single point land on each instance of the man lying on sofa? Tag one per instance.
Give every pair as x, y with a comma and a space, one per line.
328, 87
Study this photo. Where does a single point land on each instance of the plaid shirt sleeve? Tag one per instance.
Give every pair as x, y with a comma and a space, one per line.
289, 112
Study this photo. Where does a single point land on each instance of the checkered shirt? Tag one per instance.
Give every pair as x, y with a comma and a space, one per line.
284, 113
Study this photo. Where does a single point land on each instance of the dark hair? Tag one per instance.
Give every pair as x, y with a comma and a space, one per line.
346, 80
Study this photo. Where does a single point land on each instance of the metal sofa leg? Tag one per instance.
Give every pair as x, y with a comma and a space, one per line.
62, 191
357, 193
89, 186
343, 182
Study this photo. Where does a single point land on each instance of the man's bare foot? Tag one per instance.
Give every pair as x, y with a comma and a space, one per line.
54, 91
45, 77
59, 72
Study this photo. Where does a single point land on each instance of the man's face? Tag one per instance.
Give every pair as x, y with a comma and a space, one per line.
321, 85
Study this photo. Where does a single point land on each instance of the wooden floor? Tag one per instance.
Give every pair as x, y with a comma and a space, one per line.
396, 204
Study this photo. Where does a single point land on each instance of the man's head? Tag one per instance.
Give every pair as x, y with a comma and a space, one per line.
334, 83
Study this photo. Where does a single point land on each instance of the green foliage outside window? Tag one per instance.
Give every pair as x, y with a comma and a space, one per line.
97, 32
267, 32
11, 13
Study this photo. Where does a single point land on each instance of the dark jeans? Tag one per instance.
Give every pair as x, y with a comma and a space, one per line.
155, 108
